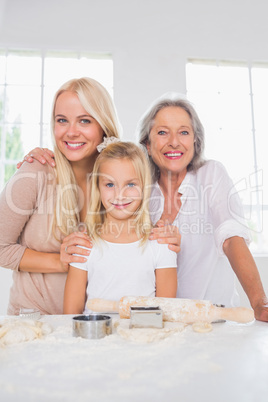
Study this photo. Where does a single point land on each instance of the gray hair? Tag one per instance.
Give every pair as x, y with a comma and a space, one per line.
147, 121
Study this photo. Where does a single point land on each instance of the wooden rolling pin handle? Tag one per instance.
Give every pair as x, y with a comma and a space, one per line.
103, 306
238, 314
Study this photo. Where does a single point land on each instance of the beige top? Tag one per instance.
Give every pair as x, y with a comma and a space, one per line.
26, 210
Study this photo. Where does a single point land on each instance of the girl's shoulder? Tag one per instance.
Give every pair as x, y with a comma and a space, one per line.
156, 247
162, 255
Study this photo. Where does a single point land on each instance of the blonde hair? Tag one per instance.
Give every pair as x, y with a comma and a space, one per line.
96, 213
96, 100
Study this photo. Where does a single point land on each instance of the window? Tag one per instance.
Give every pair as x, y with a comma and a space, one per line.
231, 100
28, 82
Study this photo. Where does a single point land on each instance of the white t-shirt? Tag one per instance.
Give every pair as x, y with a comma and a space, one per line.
116, 270
210, 213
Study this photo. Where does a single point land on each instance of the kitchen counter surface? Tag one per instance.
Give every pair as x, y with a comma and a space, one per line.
230, 363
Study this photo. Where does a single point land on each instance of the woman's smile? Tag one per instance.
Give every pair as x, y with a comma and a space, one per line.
74, 145
173, 155
171, 140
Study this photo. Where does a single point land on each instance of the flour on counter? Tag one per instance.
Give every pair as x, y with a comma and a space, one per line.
186, 366
147, 335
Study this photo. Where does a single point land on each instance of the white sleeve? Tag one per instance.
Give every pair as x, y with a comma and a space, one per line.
165, 258
81, 265
226, 209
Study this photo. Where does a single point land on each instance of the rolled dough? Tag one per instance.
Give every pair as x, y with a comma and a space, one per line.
21, 330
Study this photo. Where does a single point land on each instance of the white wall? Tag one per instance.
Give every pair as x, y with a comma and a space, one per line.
150, 40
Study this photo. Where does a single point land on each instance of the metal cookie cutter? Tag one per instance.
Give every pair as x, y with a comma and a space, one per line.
146, 317
92, 326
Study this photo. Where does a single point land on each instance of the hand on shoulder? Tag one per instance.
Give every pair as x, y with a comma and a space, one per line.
42, 155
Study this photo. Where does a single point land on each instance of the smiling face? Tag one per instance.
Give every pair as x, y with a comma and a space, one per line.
77, 134
171, 144
120, 189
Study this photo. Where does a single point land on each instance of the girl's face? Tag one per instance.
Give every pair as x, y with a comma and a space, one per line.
77, 134
172, 140
120, 189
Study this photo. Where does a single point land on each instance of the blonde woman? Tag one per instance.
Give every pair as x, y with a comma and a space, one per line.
41, 205
122, 261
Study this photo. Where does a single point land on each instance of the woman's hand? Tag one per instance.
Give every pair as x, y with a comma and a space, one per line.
261, 311
168, 234
247, 272
42, 155
70, 246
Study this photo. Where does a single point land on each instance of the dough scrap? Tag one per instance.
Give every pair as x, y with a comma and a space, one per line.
20, 330
147, 335
202, 327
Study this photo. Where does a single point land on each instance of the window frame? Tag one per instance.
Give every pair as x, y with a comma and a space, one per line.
259, 207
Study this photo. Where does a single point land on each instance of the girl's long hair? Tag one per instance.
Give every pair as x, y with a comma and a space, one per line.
96, 213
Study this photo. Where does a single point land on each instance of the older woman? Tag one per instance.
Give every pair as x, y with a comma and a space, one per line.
199, 198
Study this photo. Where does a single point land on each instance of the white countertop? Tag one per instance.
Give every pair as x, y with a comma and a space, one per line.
229, 363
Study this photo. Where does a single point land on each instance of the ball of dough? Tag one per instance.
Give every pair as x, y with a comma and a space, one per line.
19, 330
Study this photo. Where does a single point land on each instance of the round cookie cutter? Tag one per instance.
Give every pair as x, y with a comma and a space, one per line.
93, 326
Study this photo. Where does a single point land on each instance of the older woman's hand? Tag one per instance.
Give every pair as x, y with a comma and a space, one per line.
167, 234
71, 245
43, 155
261, 311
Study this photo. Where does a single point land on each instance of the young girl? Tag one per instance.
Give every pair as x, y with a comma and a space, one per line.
123, 261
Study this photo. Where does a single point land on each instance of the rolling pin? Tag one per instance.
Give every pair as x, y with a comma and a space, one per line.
181, 310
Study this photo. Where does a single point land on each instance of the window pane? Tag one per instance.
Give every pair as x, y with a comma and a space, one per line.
20, 138
2, 68
1, 104
14, 145
260, 90
23, 69
10, 169
259, 233
46, 137
30, 134
225, 112
222, 97
99, 69
59, 70
23, 104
